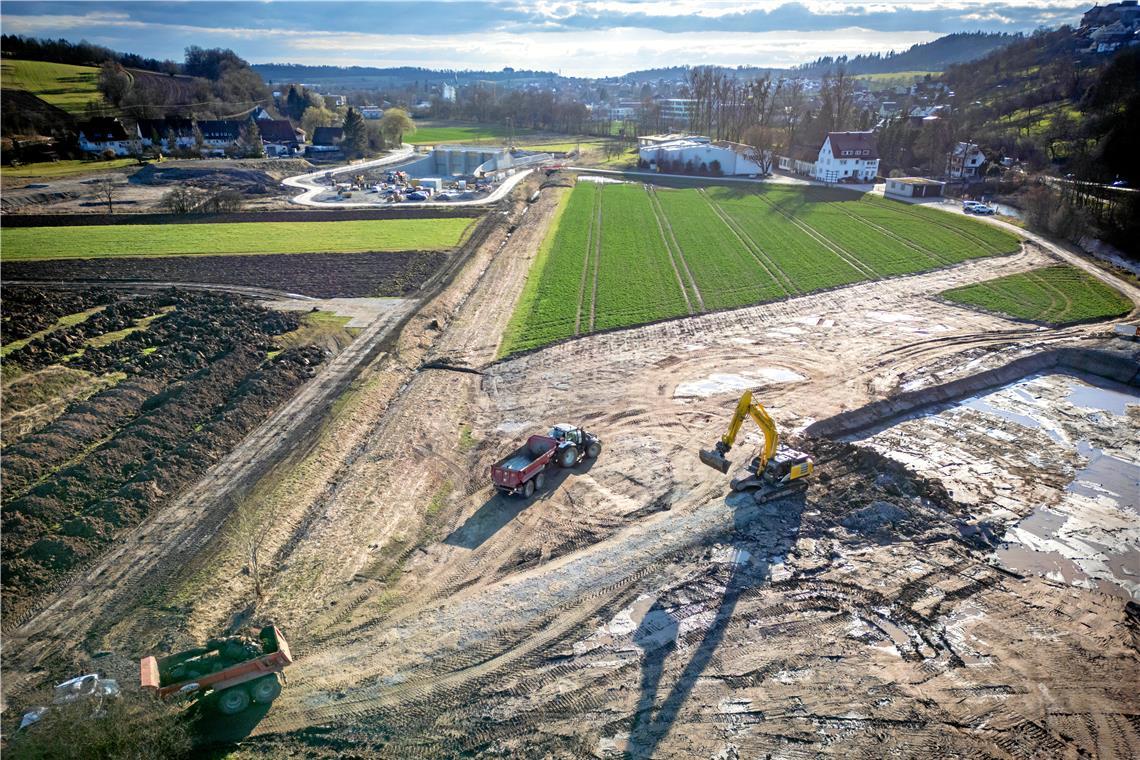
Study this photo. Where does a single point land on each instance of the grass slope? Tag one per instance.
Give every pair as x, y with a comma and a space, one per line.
38, 243
58, 169
62, 85
1055, 295
738, 246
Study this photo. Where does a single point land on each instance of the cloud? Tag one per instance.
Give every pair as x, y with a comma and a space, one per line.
586, 37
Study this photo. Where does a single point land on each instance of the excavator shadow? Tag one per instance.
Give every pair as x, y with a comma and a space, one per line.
760, 532
500, 509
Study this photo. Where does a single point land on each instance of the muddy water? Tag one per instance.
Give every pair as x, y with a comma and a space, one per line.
1056, 459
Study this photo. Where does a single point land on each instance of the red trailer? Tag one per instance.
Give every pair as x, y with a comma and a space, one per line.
232, 673
521, 472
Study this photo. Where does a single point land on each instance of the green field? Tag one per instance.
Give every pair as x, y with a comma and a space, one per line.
32, 243
62, 85
69, 168
627, 254
433, 134
1055, 295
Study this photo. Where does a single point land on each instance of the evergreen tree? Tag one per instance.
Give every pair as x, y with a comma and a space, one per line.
355, 143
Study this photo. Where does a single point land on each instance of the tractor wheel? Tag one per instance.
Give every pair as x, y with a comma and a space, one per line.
233, 700
594, 449
528, 489
539, 481
265, 690
568, 457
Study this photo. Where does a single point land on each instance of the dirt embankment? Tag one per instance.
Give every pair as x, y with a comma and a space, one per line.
192, 383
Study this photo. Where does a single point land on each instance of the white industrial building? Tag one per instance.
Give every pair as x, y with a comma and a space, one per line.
697, 155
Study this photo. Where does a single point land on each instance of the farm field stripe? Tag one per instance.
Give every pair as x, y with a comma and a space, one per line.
728, 274
750, 245
591, 231
676, 254
847, 256
926, 250
807, 262
597, 255
636, 283
971, 230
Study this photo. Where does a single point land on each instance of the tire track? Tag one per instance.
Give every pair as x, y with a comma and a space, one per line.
850, 258
670, 247
783, 280
597, 258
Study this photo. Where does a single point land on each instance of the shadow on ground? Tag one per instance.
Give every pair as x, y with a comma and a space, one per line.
499, 510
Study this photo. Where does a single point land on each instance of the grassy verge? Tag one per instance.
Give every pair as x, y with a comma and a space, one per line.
61, 169
39, 243
1057, 295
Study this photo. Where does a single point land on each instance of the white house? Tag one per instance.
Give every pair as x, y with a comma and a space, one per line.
965, 160
104, 133
448, 93
847, 156
699, 156
172, 133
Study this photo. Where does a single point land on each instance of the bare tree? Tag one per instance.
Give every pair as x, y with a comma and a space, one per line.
248, 531
105, 190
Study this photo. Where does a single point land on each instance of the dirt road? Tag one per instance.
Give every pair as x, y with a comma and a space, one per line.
632, 609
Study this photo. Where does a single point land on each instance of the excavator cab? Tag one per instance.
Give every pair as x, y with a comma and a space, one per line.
775, 466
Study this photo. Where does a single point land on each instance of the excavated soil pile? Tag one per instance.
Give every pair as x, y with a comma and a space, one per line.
29, 310
193, 384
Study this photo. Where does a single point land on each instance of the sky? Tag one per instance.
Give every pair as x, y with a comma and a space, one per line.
574, 37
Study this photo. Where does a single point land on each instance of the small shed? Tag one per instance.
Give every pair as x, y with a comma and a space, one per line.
914, 187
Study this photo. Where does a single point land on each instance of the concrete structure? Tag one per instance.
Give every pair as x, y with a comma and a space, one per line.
914, 187
697, 155
850, 156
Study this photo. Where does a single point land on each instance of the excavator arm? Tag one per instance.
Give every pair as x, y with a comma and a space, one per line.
746, 407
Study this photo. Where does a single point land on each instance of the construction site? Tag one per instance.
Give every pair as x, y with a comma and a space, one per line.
684, 517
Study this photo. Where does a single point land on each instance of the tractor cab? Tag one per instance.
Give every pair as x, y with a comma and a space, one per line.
564, 432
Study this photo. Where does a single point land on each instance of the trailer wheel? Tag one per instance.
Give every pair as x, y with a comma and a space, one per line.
593, 450
568, 457
233, 700
265, 690
528, 489
539, 481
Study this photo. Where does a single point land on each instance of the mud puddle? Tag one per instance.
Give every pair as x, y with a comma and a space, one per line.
1054, 457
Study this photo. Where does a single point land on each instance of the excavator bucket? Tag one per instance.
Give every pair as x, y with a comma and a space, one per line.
715, 460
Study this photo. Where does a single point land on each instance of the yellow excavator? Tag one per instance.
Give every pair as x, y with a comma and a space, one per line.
776, 466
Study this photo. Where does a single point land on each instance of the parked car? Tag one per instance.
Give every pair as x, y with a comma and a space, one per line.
983, 210
1120, 183
416, 196
969, 206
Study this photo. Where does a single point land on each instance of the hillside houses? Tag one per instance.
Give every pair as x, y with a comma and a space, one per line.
174, 134
103, 134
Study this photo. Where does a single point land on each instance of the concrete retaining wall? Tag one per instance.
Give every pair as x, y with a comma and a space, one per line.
1122, 366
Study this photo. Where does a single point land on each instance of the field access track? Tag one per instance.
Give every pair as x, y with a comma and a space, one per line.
623, 254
